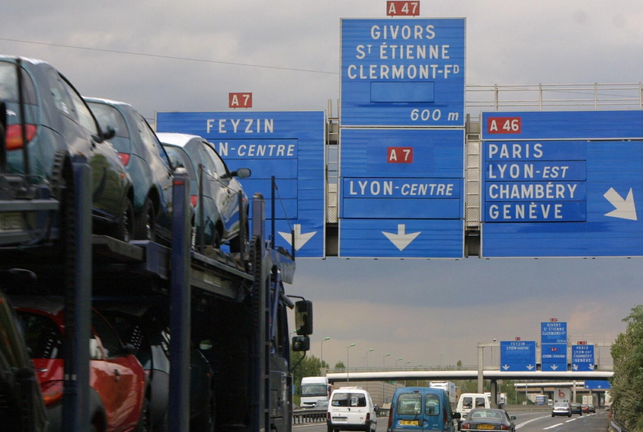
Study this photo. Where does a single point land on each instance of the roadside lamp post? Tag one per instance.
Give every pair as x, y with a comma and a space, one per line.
369, 350
441, 360
322, 350
348, 362
397, 361
384, 359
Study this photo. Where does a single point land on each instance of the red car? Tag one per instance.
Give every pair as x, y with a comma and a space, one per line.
117, 379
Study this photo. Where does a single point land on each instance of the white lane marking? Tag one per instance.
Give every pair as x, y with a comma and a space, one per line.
518, 426
551, 427
571, 420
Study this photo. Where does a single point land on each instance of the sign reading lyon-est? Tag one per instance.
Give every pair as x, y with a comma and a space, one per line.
403, 72
287, 145
562, 184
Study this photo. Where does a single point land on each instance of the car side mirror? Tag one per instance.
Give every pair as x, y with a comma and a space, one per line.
108, 133
304, 317
300, 343
241, 173
457, 416
205, 345
513, 417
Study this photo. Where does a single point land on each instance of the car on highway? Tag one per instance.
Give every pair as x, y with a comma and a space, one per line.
584, 408
592, 408
484, 419
117, 399
147, 163
351, 408
217, 210
147, 329
561, 409
576, 409
46, 124
22, 406
421, 408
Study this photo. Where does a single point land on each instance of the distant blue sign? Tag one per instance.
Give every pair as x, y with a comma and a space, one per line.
562, 184
287, 145
582, 358
553, 332
403, 72
517, 356
597, 385
401, 193
553, 357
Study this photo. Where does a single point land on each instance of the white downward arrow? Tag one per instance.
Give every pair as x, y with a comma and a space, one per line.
554, 367
300, 239
505, 367
401, 240
530, 367
624, 207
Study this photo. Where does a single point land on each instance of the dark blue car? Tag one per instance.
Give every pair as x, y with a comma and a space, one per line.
147, 163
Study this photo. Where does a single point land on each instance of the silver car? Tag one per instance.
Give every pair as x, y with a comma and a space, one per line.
561, 409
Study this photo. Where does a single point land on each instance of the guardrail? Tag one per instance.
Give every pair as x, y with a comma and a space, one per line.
308, 415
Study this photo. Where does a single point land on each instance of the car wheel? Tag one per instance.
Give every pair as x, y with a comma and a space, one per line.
144, 422
146, 223
552, 415
124, 229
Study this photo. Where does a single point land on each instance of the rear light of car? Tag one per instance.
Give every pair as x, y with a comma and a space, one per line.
368, 416
124, 158
194, 199
327, 416
52, 392
465, 426
14, 135
390, 419
504, 427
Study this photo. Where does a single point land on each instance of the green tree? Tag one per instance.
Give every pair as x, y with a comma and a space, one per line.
303, 367
340, 365
627, 381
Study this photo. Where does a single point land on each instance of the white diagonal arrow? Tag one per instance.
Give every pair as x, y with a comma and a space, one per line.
506, 367
625, 208
554, 367
530, 367
575, 367
300, 239
401, 240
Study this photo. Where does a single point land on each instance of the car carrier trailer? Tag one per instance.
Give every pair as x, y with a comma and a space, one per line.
236, 305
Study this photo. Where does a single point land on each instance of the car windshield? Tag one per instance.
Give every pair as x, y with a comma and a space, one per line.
314, 390
487, 415
560, 405
349, 400
42, 336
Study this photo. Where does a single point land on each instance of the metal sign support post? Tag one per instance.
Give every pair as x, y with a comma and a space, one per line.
78, 299
180, 301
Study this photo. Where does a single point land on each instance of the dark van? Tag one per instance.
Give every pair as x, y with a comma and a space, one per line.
421, 409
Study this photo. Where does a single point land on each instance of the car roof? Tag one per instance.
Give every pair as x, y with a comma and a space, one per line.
177, 139
27, 59
105, 101
50, 304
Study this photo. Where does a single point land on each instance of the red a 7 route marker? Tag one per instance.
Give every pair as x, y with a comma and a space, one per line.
399, 155
504, 125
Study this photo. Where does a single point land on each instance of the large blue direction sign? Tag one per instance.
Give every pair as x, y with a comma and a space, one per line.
553, 357
562, 184
553, 332
517, 356
597, 385
287, 145
401, 193
403, 72
582, 357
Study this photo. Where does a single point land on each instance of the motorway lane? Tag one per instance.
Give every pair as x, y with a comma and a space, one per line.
525, 422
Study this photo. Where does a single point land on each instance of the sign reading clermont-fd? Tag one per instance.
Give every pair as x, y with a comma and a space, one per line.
403, 72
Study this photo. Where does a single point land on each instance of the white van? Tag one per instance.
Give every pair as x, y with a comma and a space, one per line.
351, 408
469, 401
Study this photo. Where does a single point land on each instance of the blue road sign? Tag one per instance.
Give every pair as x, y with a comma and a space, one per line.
403, 72
517, 356
553, 357
582, 358
287, 145
597, 385
553, 332
562, 184
401, 193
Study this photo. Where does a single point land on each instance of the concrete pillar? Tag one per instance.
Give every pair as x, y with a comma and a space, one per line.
574, 391
480, 368
494, 394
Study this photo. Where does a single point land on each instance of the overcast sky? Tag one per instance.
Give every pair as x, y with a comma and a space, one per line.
164, 55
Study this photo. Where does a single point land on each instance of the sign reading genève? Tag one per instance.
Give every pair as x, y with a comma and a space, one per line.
403, 72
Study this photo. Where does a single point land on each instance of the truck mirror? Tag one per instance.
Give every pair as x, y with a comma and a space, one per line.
300, 343
304, 317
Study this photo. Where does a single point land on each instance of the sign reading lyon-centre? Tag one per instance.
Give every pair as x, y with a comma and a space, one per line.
403, 72
517, 356
287, 145
562, 184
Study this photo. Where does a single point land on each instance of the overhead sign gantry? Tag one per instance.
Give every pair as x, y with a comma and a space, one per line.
402, 138
562, 184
